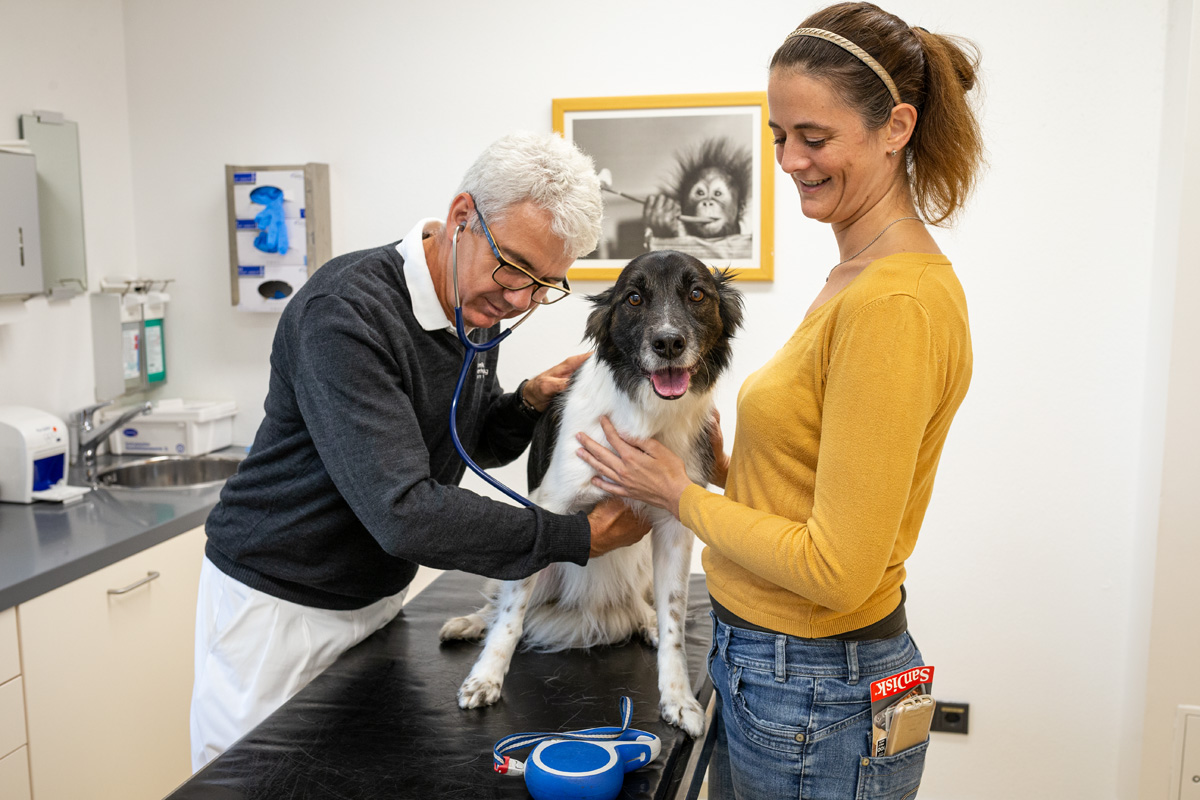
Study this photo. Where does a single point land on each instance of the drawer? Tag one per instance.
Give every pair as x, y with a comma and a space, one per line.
14, 776
12, 717
10, 659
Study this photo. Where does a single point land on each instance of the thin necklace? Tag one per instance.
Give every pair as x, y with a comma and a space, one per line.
873, 241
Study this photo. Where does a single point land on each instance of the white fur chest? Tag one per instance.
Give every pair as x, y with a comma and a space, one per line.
593, 394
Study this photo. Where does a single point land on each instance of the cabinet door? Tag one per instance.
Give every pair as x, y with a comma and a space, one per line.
108, 677
14, 775
12, 717
10, 655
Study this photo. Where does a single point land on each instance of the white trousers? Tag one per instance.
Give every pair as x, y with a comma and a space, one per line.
254, 651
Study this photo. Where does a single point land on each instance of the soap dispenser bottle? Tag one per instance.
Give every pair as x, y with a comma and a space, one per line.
133, 359
154, 311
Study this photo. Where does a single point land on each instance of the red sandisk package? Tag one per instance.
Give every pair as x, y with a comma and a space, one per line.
901, 710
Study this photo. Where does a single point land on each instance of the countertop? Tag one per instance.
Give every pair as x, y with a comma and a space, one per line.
47, 545
382, 720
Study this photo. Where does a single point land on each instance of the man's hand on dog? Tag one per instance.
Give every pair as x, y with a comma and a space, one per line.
541, 389
643, 469
720, 468
614, 524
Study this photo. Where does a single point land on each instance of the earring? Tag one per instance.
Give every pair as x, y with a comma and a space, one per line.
893, 152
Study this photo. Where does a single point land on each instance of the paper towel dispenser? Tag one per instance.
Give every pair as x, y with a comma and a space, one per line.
20, 233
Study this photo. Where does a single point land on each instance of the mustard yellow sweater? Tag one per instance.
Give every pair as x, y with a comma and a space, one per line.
837, 441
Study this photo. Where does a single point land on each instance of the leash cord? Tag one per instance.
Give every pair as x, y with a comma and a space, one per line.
502, 763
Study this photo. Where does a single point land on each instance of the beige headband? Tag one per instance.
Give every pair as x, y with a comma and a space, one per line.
853, 49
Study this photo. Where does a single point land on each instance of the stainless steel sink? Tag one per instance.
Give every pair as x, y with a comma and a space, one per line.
166, 472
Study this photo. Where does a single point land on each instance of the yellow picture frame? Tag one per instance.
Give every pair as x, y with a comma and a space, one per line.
641, 144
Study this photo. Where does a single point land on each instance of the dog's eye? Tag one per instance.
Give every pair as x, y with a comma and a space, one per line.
697, 295
634, 299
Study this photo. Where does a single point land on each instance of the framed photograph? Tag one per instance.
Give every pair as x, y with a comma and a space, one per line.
690, 172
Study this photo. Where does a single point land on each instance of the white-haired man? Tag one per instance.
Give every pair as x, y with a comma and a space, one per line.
352, 480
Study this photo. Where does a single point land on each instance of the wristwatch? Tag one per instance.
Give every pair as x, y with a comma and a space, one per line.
526, 406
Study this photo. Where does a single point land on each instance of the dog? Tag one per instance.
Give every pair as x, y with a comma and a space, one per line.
662, 338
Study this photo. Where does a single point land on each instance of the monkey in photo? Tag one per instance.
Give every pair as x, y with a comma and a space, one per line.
709, 196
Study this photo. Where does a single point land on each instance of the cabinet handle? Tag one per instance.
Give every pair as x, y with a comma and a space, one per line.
149, 577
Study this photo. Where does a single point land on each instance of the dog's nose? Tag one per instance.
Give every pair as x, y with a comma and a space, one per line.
669, 344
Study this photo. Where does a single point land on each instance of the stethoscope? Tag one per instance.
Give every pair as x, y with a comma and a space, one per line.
474, 349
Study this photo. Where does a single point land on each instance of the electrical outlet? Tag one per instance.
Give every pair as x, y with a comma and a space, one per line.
950, 717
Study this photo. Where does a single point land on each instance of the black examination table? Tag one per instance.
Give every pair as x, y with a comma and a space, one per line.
383, 720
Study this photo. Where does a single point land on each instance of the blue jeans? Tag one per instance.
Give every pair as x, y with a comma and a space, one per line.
794, 718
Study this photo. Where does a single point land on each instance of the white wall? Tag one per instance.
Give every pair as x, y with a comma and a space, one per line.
1030, 588
1169, 631
66, 56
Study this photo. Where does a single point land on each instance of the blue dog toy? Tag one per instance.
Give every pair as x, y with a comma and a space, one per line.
579, 765
272, 236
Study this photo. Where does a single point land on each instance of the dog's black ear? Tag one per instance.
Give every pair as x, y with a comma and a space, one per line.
731, 306
600, 319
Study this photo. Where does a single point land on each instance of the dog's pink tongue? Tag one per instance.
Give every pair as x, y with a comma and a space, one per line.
671, 382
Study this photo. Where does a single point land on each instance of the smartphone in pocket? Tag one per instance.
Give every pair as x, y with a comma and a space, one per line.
909, 723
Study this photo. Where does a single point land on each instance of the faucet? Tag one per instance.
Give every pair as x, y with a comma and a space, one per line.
90, 438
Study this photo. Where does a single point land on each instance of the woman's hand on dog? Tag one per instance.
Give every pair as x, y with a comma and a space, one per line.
614, 524
541, 389
642, 469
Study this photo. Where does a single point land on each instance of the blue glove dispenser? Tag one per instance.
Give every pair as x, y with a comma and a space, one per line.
272, 236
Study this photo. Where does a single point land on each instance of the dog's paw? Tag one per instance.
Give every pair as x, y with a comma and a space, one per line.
478, 692
470, 628
684, 713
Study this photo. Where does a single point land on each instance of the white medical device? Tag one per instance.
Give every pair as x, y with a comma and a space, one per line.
33, 457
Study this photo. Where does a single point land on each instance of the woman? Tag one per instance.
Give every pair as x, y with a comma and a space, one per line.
838, 436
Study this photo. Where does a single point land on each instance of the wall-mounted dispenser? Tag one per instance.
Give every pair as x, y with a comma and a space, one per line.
278, 231
127, 335
55, 142
20, 231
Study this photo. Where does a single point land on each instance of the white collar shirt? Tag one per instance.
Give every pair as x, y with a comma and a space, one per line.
427, 307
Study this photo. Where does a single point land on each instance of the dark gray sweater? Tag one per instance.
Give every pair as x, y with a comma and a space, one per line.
352, 478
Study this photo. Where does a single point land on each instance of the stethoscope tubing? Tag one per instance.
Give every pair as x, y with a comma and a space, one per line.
472, 350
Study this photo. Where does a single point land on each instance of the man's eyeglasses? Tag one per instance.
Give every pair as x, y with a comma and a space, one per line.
514, 278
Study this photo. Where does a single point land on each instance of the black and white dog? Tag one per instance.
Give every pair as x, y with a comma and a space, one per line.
662, 338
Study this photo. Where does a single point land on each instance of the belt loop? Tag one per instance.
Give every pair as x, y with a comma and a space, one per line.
780, 659
721, 633
852, 662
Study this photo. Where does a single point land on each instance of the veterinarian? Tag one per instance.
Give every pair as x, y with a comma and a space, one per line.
838, 435
352, 480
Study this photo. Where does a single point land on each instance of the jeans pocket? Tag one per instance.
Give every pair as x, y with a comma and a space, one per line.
895, 777
770, 713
